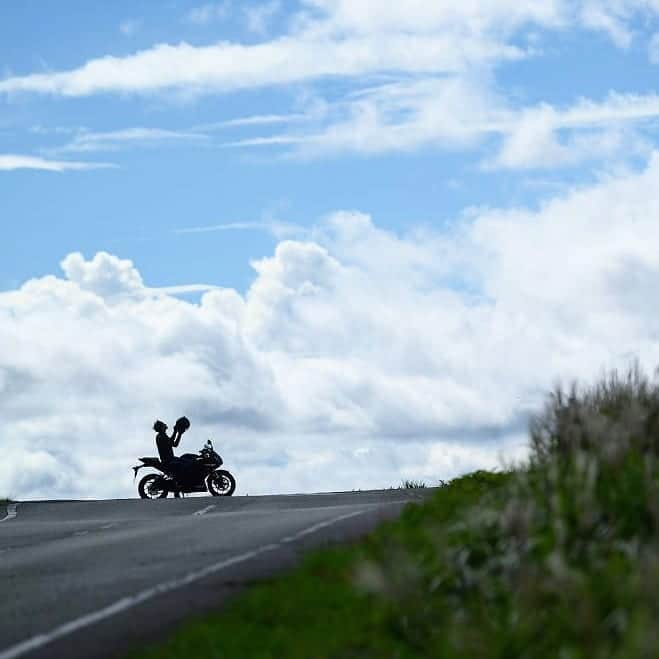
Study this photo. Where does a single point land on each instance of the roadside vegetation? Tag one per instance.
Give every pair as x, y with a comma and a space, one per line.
412, 485
556, 559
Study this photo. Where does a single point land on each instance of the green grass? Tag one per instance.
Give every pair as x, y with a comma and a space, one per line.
559, 559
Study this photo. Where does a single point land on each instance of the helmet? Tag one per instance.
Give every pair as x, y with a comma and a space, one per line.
182, 424
159, 426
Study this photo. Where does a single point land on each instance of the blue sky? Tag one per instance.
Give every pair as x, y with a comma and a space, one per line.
355, 240
190, 179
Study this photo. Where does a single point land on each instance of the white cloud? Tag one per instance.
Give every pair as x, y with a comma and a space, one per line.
357, 357
590, 131
258, 17
454, 111
105, 275
9, 162
345, 40
536, 143
87, 141
443, 112
340, 38
611, 18
448, 111
228, 66
252, 120
276, 228
472, 17
208, 13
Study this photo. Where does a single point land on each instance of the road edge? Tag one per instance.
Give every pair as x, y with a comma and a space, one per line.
10, 511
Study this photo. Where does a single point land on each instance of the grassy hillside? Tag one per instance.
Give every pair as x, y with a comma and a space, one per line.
560, 559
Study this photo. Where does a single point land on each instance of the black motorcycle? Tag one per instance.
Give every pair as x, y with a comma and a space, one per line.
201, 473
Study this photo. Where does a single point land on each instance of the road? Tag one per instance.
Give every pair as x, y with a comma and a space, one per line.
97, 578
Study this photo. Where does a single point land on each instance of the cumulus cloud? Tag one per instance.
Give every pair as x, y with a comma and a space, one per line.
105, 275
357, 356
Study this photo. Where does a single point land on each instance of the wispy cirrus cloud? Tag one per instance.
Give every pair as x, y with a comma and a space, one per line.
255, 120
451, 112
439, 112
543, 137
10, 162
338, 38
258, 17
274, 227
226, 67
208, 13
86, 141
435, 54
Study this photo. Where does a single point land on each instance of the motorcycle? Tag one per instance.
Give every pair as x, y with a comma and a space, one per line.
203, 474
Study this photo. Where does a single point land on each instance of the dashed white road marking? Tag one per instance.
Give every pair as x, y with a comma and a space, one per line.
11, 512
78, 533
203, 511
131, 601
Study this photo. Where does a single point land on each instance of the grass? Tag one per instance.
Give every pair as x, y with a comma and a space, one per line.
559, 559
412, 485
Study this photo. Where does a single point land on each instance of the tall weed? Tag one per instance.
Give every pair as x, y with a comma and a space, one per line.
562, 561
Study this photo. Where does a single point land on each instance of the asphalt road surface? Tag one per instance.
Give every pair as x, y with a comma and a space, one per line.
98, 578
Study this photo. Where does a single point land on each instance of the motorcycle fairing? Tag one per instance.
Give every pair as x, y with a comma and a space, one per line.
147, 462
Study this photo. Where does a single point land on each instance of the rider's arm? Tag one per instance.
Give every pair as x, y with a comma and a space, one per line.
176, 438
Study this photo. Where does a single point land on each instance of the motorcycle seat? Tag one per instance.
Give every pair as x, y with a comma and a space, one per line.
151, 462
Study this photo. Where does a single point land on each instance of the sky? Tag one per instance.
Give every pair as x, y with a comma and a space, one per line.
355, 242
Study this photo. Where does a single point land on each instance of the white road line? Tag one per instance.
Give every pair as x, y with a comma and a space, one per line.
131, 601
317, 527
78, 533
11, 512
203, 511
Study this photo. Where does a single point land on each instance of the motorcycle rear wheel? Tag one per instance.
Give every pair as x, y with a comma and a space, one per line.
221, 483
148, 488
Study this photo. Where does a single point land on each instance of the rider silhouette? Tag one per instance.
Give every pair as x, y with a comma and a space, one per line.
166, 445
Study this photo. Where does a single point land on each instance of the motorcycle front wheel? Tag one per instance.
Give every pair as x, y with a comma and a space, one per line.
221, 483
149, 487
